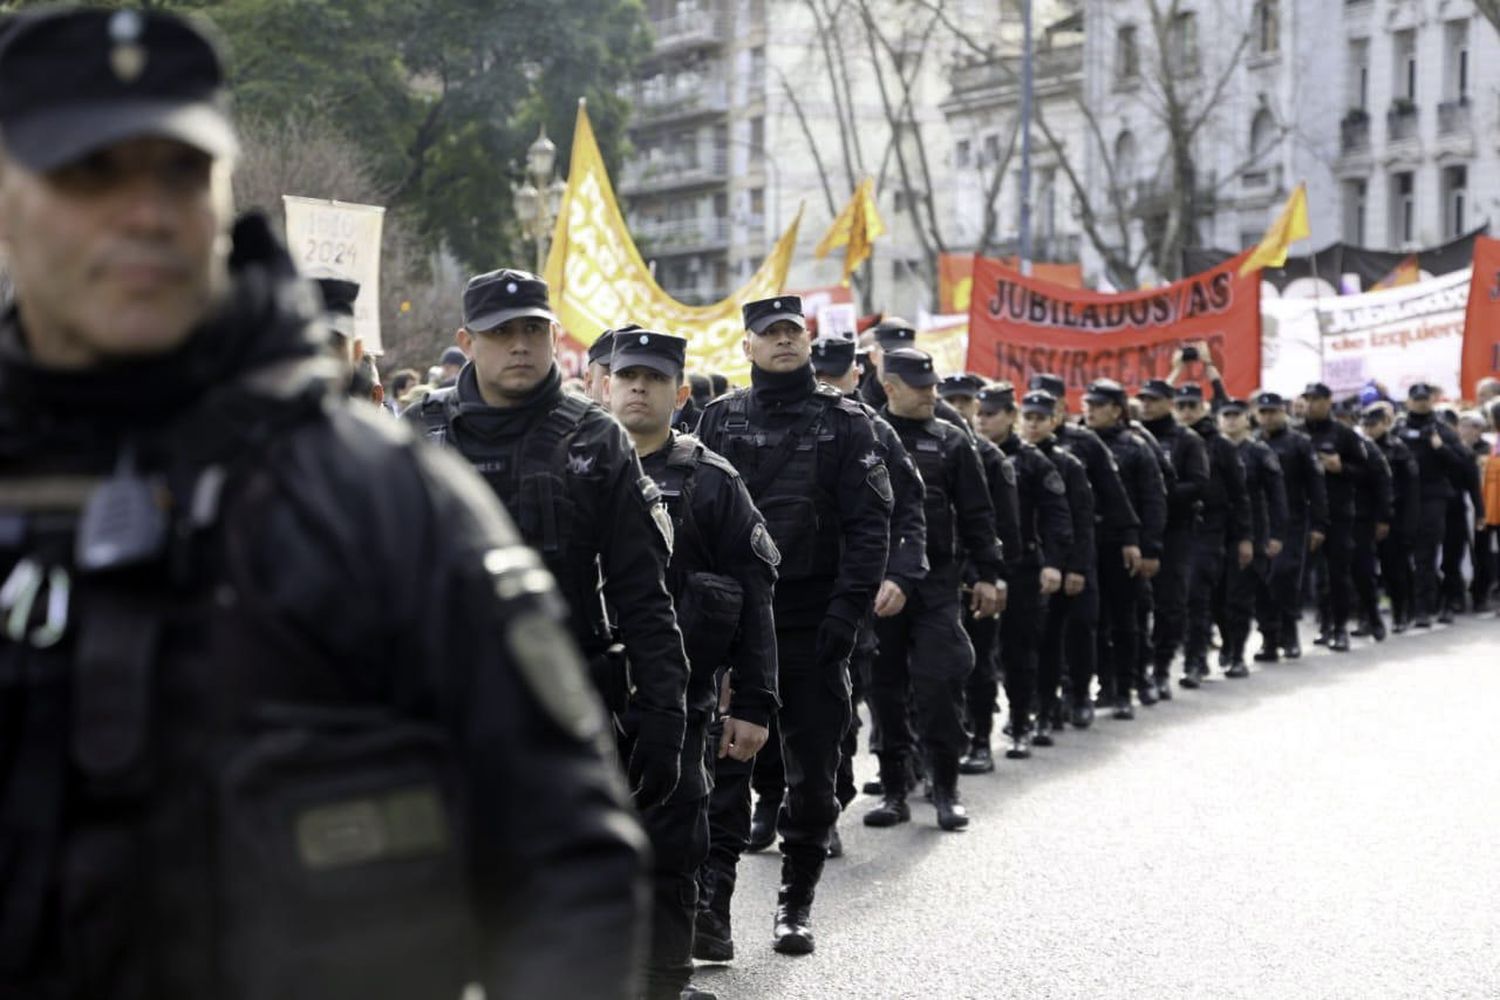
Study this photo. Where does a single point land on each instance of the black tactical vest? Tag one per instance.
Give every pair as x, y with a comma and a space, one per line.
927, 452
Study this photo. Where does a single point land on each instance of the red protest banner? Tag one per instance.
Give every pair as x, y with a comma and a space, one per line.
1020, 326
1481, 355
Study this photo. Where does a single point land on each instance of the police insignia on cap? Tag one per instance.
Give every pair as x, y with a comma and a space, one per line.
128, 57
512, 288
645, 339
776, 304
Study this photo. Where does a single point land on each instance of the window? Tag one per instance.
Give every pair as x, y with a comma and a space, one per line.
1404, 79
1046, 203
961, 153
1403, 209
1184, 42
1262, 136
757, 139
1268, 26
1359, 73
1125, 160
757, 201
757, 72
1127, 56
991, 154
898, 201
1455, 200
1355, 192
1456, 61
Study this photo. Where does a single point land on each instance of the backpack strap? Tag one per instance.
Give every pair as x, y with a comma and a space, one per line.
767, 472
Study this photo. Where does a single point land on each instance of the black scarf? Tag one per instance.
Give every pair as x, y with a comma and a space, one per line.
777, 389
479, 417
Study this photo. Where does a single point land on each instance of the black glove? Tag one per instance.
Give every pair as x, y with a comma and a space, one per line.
835, 640
653, 772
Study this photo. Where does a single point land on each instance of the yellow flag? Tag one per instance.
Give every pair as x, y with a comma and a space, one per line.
599, 281
856, 228
1289, 227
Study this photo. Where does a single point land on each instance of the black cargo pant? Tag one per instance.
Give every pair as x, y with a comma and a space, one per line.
1456, 524
1068, 638
859, 682
1240, 588
1338, 555
1203, 584
679, 835
1364, 567
1279, 602
1119, 634
924, 655
1484, 565
1396, 574
814, 720
1020, 631
1169, 593
768, 777
1430, 529
983, 686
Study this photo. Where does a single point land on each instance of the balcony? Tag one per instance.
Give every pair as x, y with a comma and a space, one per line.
1052, 67
698, 293
680, 236
1354, 133
660, 99
685, 30
663, 173
1453, 117
1401, 122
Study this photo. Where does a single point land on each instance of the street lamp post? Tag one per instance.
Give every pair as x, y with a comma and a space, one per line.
539, 198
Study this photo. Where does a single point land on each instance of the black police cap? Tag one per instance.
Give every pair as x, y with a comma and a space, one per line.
894, 333
453, 356
1155, 388
1270, 401
911, 366
637, 348
763, 313
993, 398
604, 345
74, 81
491, 300
1047, 382
1106, 390
1374, 413
1234, 406
1317, 390
1039, 401
960, 385
1191, 390
832, 355
1421, 390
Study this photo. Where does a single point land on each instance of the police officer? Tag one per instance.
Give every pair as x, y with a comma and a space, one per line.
893, 334
596, 368
812, 465
1465, 514
1223, 526
1439, 460
1078, 599
1268, 519
1394, 551
1343, 459
1374, 511
1280, 603
923, 657
1189, 460
566, 471
218, 671
1117, 532
1034, 572
721, 577
1107, 409
833, 362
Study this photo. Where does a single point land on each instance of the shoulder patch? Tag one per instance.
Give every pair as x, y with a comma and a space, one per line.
1053, 482
764, 546
1008, 470
879, 480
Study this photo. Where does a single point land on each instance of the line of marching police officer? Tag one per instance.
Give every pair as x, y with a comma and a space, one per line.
851, 527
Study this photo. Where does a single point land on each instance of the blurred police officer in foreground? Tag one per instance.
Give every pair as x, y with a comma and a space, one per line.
1268, 521
1190, 481
812, 465
249, 752
721, 577
1034, 572
1078, 599
1280, 603
567, 473
1106, 408
923, 657
1343, 460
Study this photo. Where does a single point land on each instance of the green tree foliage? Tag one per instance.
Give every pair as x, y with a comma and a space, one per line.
443, 96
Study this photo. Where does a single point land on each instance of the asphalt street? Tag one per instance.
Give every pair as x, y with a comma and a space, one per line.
1324, 828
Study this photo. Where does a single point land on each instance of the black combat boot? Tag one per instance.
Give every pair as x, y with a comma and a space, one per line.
1043, 735
763, 823
893, 809
712, 940
1193, 672
1145, 687
1082, 714
951, 815
1020, 739
1162, 677
793, 934
1339, 643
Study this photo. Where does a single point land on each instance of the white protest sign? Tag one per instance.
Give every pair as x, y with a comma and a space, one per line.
838, 320
336, 239
1398, 336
